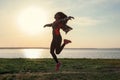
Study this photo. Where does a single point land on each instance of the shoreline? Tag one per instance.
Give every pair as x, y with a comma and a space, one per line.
66, 58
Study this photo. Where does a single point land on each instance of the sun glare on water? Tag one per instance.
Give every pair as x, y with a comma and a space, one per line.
32, 53
31, 20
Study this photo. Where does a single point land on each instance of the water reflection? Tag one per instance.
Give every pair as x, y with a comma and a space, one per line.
32, 53
66, 53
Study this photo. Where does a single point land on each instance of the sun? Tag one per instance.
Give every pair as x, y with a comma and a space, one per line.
31, 20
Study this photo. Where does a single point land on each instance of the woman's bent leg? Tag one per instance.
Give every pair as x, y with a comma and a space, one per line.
60, 47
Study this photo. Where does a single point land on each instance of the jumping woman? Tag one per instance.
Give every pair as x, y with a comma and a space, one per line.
56, 46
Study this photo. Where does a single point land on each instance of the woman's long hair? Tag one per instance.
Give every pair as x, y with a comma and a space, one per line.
61, 14
65, 28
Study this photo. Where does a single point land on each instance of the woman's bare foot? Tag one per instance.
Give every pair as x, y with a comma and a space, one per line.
66, 41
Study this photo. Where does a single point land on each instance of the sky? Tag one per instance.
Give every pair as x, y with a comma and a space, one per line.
96, 23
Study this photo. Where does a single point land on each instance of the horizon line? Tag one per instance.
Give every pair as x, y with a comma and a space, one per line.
48, 48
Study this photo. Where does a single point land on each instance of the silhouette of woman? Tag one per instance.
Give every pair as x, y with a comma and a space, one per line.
60, 23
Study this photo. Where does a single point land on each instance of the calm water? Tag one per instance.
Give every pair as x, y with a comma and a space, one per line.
66, 53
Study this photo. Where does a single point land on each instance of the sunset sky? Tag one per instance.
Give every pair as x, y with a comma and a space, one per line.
96, 23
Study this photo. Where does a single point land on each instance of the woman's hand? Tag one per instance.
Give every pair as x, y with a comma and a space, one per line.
70, 17
45, 26
48, 25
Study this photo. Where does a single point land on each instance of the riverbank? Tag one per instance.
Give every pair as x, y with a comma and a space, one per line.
71, 69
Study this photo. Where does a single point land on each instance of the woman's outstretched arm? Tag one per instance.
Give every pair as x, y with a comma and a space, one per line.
66, 19
48, 25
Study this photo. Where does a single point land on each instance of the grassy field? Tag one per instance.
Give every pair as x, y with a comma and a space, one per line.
71, 69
